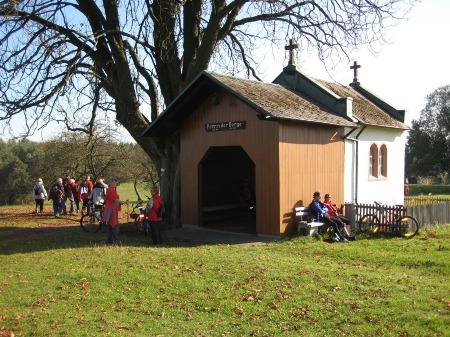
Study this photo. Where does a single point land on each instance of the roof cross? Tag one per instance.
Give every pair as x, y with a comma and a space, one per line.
291, 47
355, 68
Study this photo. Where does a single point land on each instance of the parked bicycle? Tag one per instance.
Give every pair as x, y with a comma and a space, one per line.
92, 221
405, 226
140, 217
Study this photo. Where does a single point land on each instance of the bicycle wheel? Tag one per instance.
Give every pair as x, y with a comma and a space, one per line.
369, 222
146, 227
139, 224
90, 223
408, 226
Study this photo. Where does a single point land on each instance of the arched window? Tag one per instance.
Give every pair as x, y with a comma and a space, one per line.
382, 161
373, 161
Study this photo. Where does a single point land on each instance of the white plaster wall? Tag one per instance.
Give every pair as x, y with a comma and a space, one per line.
385, 190
349, 171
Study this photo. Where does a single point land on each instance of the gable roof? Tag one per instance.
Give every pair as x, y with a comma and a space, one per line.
274, 101
297, 99
365, 110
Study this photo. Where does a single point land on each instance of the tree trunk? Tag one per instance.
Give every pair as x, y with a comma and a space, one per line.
168, 167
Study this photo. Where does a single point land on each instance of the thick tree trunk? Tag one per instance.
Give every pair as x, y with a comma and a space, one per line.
164, 152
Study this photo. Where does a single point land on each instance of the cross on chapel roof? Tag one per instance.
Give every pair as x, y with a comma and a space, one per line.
355, 68
291, 47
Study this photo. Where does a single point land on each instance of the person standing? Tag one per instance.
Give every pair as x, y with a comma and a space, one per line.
76, 195
39, 195
68, 195
57, 196
85, 192
111, 212
318, 208
98, 195
335, 215
154, 217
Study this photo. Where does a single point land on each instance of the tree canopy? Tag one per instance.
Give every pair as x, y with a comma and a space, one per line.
428, 147
23, 161
79, 61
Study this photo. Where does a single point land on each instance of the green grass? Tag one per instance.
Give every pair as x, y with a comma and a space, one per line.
60, 281
435, 190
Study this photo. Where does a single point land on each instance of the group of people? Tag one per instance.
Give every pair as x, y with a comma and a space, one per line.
328, 213
65, 192
103, 197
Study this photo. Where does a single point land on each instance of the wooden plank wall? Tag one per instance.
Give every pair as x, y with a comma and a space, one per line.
311, 159
259, 140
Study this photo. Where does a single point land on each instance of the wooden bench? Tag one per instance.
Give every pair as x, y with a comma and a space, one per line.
304, 224
220, 212
227, 207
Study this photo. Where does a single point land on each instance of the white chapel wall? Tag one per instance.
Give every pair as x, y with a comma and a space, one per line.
389, 190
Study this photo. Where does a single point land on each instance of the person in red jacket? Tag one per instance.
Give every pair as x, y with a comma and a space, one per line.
155, 221
333, 211
76, 195
111, 212
85, 192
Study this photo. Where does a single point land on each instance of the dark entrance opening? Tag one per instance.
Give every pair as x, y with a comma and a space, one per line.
222, 171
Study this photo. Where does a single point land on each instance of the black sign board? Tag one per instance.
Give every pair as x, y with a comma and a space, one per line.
225, 126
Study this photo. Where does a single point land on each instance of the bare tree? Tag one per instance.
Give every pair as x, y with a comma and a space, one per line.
123, 58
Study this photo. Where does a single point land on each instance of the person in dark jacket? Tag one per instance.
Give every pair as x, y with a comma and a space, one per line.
318, 208
57, 196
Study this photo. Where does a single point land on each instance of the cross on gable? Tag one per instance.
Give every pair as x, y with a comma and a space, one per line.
291, 47
355, 68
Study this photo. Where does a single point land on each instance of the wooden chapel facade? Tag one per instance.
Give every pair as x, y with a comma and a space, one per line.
287, 138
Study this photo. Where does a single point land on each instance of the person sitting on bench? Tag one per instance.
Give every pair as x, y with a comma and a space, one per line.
337, 217
318, 208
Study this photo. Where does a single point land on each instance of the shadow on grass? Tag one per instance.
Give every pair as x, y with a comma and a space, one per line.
39, 233
43, 237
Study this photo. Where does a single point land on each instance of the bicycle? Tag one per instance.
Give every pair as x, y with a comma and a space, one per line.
92, 222
140, 218
406, 226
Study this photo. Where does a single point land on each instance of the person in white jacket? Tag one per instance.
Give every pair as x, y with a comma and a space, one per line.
39, 195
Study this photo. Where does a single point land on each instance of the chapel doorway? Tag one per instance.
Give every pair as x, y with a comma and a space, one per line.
225, 174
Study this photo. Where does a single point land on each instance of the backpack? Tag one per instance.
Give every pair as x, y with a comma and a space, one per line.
55, 192
83, 188
75, 189
162, 210
37, 191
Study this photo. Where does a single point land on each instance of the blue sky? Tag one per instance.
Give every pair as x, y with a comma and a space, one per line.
403, 72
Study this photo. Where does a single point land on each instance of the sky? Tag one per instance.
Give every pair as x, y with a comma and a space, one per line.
414, 64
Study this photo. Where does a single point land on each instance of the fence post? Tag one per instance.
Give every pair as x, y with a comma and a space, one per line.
350, 214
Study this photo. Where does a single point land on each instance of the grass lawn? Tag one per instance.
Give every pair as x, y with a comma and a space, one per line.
433, 190
57, 280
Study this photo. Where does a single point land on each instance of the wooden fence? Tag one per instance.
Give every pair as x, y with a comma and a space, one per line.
431, 214
426, 214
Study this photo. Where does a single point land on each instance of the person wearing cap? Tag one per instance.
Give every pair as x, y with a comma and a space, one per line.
39, 195
111, 212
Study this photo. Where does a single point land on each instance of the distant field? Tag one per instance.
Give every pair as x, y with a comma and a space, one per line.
435, 190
